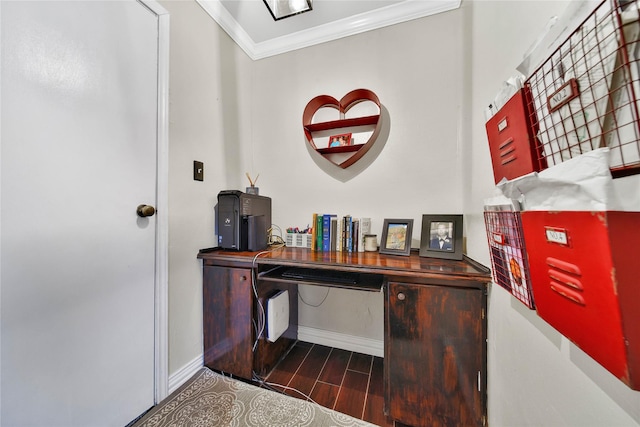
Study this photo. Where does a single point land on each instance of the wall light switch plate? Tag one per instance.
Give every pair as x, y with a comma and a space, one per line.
198, 171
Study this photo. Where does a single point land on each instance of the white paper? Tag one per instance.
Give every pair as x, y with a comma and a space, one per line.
627, 191
509, 88
623, 138
583, 183
500, 202
555, 33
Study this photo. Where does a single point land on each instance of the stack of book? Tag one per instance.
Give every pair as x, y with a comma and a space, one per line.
333, 234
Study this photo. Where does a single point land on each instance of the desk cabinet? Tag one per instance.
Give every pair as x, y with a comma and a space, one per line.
434, 358
229, 313
227, 323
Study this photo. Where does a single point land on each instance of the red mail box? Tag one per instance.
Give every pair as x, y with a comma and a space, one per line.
585, 275
585, 95
509, 265
511, 140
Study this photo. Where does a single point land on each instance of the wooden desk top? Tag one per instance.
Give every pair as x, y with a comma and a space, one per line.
466, 272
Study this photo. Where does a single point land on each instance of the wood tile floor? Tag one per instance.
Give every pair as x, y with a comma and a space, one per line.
348, 382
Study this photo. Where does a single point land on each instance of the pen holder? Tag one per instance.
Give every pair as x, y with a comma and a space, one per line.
253, 190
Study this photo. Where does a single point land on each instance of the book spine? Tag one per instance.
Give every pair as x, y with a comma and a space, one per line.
349, 233
356, 235
326, 233
332, 233
319, 232
314, 232
365, 228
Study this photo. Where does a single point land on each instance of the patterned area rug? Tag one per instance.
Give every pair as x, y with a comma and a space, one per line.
210, 399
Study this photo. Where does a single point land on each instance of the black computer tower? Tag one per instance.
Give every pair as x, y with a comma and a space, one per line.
243, 221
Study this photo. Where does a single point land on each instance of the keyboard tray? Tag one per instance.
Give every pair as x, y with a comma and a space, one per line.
325, 277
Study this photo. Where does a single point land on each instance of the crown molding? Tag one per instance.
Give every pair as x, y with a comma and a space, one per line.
390, 15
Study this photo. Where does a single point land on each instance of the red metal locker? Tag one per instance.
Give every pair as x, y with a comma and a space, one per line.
585, 273
511, 140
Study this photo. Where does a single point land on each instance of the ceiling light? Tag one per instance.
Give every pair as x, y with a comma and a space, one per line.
284, 8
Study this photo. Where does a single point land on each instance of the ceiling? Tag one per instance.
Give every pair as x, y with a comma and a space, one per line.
252, 27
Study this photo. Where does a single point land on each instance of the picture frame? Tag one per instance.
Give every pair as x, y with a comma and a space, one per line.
441, 236
341, 140
396, 237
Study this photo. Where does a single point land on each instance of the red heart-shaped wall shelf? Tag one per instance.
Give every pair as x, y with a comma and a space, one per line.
366, 122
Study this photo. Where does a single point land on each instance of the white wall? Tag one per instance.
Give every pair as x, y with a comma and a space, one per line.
433, 76
536, 376
418, 169
205, 76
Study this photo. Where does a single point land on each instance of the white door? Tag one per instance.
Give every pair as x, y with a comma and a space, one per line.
78, 154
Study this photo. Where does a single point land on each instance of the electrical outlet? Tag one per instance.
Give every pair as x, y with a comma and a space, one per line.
198, 171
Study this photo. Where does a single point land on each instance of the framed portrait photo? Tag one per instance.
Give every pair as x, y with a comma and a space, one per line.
396, 237
441, 236
341, 140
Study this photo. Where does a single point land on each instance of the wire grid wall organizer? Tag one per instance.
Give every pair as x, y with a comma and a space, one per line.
510, 266
585, 95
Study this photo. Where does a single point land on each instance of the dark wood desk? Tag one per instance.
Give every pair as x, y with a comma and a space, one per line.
435, 324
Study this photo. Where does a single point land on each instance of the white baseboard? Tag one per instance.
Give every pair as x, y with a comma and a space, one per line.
342, 341
183, 374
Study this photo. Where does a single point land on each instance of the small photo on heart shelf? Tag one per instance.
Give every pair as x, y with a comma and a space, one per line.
341, 140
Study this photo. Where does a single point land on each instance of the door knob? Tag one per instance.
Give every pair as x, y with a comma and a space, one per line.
145, 210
